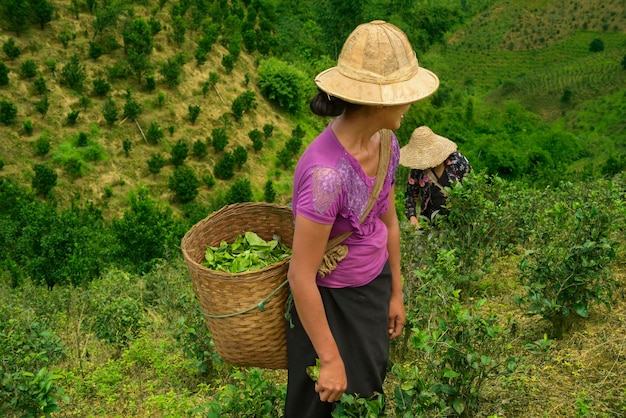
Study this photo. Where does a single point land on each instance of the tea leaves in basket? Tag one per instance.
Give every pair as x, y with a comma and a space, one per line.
247, 253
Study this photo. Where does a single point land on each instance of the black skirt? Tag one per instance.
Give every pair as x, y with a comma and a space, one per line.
358, 318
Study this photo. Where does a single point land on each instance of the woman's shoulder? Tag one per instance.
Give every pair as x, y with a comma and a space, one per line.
458, 163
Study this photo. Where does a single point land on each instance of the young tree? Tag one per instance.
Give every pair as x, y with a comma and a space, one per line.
283, 84
8, 112
110, 111
228, 62
171, 71
179, 28
156, 163
4, 74
40, 85
138, 47
211, 82
28, 69
225, 167
44, 179
132, 109
11, 50
597, 45
72, 116
73, 73
199, 149
184, 183
256, 137
101, 87
43, 105
16, 13
126, 146
268, 130
43, 11
240, 156
42, 144
219, 139
105, 17
194, 112
154, 133
239, 192
269, 194
179, 153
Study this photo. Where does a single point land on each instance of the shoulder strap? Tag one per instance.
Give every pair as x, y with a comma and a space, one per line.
435, 180
381, 174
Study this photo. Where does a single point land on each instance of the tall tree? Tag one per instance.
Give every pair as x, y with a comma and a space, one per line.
42, 11
138, 46
16, 13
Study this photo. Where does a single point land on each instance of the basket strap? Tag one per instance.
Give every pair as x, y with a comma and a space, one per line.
260, 305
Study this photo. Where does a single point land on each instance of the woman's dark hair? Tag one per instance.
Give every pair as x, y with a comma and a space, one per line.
324, 104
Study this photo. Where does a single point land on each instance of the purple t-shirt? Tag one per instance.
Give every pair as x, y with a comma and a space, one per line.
330, 187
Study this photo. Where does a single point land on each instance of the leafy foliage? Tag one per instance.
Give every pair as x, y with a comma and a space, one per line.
563, 278
283, 84
184, 184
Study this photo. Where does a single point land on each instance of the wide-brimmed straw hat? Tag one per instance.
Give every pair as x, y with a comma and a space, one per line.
378, 66
426, 149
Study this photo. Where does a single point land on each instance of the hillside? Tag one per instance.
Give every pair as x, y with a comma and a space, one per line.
116, 171
524, 51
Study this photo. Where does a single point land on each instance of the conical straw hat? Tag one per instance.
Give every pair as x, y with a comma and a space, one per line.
377, 66
426, 149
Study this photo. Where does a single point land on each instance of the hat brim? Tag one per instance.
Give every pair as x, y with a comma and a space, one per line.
419, 87
427, 156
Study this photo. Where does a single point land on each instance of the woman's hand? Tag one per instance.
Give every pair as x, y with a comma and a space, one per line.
415, 223
397, 316
332, 382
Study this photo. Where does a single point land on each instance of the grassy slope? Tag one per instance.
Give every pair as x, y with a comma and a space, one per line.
119, 172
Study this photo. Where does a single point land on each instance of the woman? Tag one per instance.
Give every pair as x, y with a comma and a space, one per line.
346, 317
435, 164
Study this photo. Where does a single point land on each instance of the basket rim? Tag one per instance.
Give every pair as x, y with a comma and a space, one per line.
225, 274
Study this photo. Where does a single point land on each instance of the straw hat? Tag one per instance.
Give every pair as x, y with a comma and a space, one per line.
426, 149
377, 66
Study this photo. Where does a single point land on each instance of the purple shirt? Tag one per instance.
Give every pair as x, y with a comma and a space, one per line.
330, 187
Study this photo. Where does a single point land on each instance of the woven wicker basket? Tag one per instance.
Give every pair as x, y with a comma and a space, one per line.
245, 312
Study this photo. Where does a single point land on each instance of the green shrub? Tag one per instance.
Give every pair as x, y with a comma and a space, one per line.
44, 180
28, 127
154, 133
72, 116
240, 191
118, 320
73, 73
10, 48
4, 74
8, 112
43, 105
456, 348
146, 233
567, 271
219, 139
179, 153
42, 144
225, 167
155, 163
110, 111
283, 84
199, 149
27, 351
28, 69
250, 394
194, 112
184, 184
